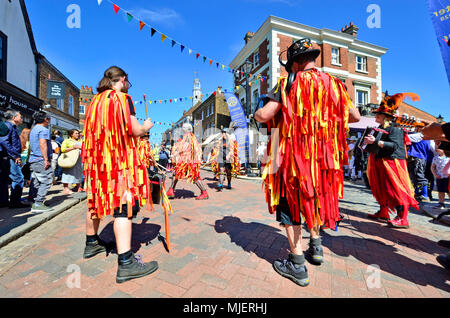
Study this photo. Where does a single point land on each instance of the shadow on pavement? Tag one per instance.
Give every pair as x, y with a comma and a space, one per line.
372, 251
263, 240
184, 194
142, 233
13, 218
397, 236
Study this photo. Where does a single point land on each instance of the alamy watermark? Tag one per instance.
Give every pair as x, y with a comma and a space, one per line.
374, 20
74, 279
74, 19
374, 278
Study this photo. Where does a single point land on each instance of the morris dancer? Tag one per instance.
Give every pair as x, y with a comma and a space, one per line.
303, 174
186, 159
225, 157
116, 179
387, 169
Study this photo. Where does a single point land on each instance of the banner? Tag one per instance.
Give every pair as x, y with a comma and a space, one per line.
440, 15
238, 116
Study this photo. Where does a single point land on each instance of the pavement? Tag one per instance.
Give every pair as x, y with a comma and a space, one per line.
224, 247
14, 223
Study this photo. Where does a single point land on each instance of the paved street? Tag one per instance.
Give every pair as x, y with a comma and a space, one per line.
224, 247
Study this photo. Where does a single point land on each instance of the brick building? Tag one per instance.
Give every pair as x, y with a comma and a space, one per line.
356, 63
86, 95
212, 114
64, 112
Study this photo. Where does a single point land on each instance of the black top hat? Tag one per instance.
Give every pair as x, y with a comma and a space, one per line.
302, 47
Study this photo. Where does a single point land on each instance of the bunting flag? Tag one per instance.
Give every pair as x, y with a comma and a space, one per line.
116, 8
163, 37
130, 17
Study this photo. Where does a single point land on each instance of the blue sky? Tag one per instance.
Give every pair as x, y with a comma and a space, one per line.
216, 29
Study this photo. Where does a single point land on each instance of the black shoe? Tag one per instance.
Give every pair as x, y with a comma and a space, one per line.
219, 187
229, 187
444, 243
134, 267
19, 205
94, 248
315, 253
297, 273
444, 260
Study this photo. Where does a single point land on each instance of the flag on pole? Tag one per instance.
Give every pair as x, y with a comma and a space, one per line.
439, 15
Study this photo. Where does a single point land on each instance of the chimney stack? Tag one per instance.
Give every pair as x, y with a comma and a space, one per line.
350, 29
248, 36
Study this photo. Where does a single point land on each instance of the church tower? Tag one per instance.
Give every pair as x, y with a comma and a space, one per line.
196, 92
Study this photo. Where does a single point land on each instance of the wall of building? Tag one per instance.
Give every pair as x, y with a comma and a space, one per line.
21, 63
64, 119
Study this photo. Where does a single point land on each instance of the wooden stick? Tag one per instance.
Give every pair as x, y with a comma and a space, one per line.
146, 110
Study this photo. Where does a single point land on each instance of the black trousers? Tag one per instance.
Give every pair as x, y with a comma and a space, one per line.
4, 179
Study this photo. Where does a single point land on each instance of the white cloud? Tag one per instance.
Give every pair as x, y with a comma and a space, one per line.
164, 15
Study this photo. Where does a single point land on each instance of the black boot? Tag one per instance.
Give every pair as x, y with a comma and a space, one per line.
315, 251
133, 267
293, 268
93, 247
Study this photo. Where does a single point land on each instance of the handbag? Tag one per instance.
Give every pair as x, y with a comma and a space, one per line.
68, 160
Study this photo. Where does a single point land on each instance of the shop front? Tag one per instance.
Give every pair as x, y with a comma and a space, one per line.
12, 97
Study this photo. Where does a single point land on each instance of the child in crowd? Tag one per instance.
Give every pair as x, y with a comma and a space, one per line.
440, 168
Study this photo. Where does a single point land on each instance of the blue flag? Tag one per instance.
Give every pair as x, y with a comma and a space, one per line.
238, 116
440, 15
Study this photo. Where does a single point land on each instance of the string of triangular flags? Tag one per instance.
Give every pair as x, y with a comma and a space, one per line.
174, 43
181, 99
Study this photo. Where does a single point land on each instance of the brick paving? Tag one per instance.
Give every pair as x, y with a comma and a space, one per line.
224, 247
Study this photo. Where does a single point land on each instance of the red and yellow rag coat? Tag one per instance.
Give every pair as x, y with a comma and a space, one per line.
311, 130
114, 172
387, 172
187, 158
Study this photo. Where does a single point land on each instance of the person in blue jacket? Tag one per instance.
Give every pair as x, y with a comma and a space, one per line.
11, 157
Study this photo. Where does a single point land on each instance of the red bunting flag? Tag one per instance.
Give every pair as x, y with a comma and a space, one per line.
116, 8
142, 24
197, 55
210, 62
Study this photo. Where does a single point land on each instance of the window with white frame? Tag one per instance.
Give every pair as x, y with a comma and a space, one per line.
362, 97
335, 58
70, 104
361, 63
255, 60
60, 104
82, 109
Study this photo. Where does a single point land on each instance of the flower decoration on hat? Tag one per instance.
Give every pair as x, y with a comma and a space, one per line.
390, 104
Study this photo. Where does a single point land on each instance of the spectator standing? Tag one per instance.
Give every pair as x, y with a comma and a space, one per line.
163, 156
438, 168
418, 154
59, 139
72, 175
25, 154
13, 146
56, 148
40, 161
